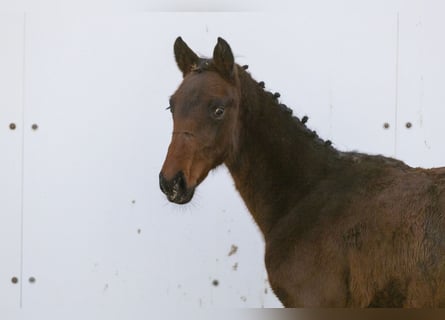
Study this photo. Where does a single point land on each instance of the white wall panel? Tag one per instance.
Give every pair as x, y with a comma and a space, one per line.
11, 131
421, 84
362, 78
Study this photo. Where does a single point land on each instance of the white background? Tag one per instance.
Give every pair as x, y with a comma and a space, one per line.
80, 207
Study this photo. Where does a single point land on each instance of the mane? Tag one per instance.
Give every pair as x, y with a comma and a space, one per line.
297, 127
204, 64
272, 100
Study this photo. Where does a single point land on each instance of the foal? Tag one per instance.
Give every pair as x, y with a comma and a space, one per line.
340, 229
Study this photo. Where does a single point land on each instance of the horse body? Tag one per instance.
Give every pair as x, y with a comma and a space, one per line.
341, 229
363, 247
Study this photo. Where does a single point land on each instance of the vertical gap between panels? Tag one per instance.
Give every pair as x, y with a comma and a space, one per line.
396, 98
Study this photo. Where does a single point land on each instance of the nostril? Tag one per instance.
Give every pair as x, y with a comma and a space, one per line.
180, 182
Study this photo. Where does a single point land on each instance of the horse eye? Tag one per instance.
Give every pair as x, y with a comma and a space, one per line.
219, 112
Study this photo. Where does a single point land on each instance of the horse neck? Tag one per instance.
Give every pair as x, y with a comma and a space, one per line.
277, 160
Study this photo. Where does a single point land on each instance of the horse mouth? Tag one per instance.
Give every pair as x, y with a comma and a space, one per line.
182, 197
176, 189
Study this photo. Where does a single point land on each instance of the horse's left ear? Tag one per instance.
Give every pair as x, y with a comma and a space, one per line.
223, 59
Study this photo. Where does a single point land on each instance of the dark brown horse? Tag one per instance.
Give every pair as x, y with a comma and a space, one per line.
341, 229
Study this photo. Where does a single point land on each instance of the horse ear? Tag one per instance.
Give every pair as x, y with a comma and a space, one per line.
185, 57
223, 58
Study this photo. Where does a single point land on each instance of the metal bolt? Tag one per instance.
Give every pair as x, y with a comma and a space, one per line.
32, 280
14, 280
408, 125
34, 127
386, 125
12, 126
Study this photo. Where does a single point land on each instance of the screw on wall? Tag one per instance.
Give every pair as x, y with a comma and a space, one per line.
32, 280
35, 127
408, 125
386, 125
12, 126
15, 280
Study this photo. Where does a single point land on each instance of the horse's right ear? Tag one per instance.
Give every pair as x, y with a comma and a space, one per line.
186, 59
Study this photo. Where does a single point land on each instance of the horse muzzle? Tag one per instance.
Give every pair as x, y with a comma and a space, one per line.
176, 189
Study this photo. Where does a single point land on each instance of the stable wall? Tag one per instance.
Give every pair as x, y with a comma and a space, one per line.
85, 231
